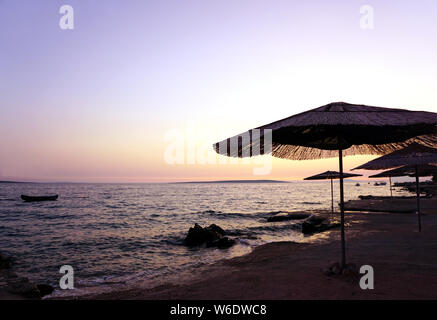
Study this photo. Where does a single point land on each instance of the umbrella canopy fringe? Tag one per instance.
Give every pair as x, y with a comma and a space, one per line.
296, 152
410, 170
413, 155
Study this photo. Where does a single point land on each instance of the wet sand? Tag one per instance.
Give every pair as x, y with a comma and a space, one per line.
404, 262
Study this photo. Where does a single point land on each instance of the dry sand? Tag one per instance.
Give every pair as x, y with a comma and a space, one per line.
404, 262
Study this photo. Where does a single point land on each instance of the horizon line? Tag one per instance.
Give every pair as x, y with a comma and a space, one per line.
189, 181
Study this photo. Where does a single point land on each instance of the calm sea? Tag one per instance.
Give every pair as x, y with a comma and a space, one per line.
113, 232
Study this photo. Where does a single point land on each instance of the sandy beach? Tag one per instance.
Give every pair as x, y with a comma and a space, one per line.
403, 259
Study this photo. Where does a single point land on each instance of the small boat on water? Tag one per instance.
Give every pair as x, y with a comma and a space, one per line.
39, 198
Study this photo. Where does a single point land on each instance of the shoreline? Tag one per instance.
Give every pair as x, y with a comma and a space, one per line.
402, 259
115, 284
185, 275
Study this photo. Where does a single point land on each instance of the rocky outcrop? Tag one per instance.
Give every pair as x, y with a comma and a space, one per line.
315, 224
222, 243
22, 286
19, 285
45, 289
198, 235
5, 261
212, 236
288, 216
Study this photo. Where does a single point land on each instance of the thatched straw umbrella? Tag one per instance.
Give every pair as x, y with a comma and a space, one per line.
331, 175
335, 130
413, 155
423, 171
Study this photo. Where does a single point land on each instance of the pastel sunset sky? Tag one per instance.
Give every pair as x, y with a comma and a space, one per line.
100, 103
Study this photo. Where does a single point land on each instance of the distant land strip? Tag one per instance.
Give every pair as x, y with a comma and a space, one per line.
234, 181
13, 182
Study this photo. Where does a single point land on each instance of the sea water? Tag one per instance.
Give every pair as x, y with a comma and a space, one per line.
109, 232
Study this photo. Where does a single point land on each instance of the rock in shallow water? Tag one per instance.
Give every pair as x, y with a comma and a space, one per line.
22, 286
222, 243
5, 261
215, 228
45, 289
316, 224
212, 236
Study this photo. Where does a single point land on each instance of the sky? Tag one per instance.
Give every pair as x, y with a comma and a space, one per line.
106, 101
